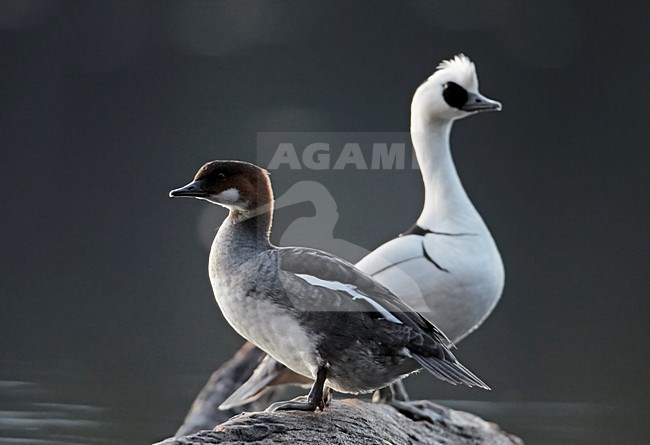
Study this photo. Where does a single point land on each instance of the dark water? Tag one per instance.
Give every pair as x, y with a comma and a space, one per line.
62, 405
559, 423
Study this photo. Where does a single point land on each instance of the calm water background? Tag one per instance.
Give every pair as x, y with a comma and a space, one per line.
108, 325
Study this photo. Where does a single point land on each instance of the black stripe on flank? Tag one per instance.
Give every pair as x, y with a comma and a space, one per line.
454, 234
426, 255
417, 230
393, 265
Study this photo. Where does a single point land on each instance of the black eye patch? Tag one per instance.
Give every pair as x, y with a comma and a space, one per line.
455, 95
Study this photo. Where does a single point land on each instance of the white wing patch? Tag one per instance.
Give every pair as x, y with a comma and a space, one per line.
350, 290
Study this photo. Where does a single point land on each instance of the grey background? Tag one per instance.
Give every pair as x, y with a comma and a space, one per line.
108, 324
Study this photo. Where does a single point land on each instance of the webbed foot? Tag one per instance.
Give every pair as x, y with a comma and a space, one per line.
395, 395
296, 405
319, 397
416, 411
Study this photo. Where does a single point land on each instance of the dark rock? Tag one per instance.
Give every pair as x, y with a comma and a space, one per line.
349, 421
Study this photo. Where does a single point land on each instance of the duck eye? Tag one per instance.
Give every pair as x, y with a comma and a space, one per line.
455, 95
221, 176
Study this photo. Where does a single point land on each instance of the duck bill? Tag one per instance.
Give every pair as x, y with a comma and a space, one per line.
477, 102
192, 190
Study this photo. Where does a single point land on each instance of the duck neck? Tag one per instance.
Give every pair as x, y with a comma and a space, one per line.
244, 232
447, 207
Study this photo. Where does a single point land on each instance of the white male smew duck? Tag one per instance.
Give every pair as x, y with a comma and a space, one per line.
316, 314
447, 266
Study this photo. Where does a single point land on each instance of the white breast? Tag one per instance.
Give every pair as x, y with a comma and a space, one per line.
263, 323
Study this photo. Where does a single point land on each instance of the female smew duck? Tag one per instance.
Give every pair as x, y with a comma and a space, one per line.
315, 313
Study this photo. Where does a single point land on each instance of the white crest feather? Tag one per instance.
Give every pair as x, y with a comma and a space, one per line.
462, 68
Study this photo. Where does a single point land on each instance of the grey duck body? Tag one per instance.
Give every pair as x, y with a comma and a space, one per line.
269, 297
257, 289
